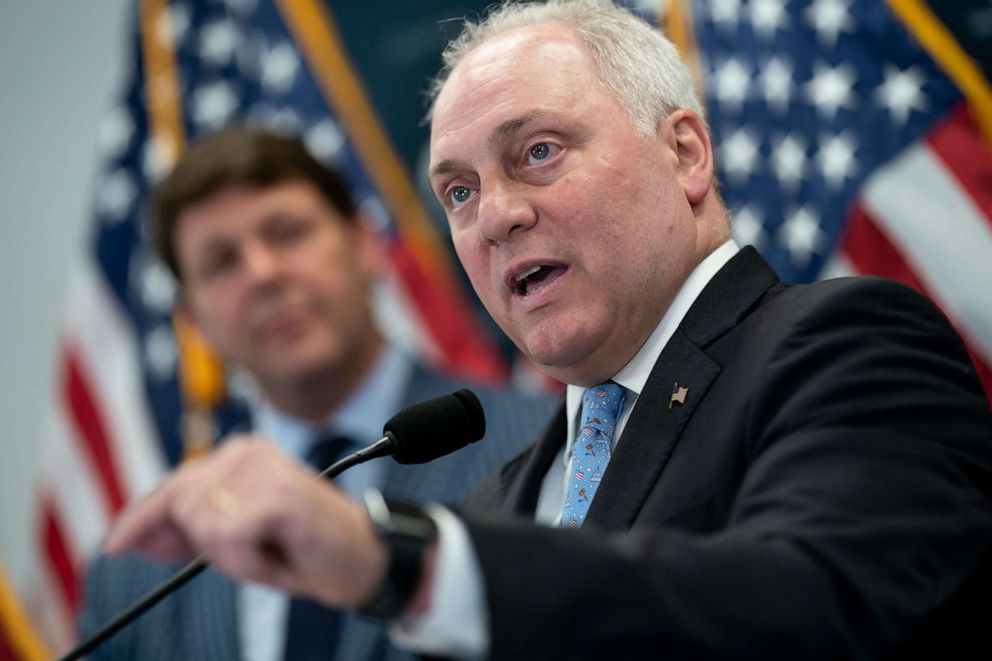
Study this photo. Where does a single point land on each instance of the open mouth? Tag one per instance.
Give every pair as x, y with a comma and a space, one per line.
534, 278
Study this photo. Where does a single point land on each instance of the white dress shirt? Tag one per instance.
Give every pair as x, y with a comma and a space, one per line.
456, 623
263, 612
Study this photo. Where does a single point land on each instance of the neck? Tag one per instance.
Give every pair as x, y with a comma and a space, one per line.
713, 227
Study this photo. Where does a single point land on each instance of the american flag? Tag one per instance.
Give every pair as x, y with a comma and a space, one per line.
843, 146
115, 421
856, 137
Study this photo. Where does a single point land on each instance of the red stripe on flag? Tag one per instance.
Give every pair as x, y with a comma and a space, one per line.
58, 555
449, 320
871, 253
965, 153
6, 647
96, 443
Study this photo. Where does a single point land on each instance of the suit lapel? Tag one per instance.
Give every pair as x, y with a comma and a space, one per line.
651, 433
211, 618
656, 423
414, 483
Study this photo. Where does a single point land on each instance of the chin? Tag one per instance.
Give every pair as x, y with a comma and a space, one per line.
305, 361
566, 358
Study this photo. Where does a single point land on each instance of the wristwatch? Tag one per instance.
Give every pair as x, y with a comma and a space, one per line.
407, 531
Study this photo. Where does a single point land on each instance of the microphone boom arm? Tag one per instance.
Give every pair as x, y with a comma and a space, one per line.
381, 448
458, 416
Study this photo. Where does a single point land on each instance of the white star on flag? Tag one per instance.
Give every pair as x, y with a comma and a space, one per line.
725, 13
836, 158
748, 228
732, 81
832, 88
801, 234
776, 83
902, 92
218, 41
740, 152
213, 104
279, 66
789, 161
766, 17
829, 18
115, 195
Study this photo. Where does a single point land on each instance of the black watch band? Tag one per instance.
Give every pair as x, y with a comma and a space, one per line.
407, 531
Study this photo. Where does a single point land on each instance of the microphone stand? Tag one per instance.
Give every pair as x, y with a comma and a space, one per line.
381, 448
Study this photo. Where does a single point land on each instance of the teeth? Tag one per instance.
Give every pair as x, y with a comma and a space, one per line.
520, 277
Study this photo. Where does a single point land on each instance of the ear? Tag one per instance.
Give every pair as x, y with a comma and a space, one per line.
200, 369
693, 151
182, 308
184, 313
371, 251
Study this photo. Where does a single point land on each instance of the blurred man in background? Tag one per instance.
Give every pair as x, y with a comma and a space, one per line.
275, 267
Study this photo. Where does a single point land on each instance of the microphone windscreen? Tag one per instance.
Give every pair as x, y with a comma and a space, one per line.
432, 429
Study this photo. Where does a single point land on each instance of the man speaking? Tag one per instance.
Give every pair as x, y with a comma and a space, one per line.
739, 468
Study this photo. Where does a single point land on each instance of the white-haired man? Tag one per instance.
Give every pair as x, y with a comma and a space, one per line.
756, 470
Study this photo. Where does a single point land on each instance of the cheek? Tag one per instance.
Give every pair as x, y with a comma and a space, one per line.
601, 199
224, 318
215, 324
474, 258
332, 271
471, 254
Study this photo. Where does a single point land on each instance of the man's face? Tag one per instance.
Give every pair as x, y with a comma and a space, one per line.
277, 281
541, 172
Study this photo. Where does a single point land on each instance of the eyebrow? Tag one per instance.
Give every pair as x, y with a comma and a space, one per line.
498, 135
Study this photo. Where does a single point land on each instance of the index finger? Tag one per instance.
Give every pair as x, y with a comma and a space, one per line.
147, 528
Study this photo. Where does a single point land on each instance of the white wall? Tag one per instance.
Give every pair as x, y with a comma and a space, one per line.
61, 65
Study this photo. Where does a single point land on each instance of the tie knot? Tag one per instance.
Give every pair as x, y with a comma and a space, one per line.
327, 449
601, 405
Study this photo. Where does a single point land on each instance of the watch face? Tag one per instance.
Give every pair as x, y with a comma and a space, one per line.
406, 530
411, 520
397, 517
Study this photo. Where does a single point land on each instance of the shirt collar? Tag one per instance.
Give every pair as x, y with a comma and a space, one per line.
635, 374
359, 417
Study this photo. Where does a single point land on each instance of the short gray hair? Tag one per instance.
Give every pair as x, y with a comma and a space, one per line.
636, 62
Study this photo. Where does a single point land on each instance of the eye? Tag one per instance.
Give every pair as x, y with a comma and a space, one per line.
289, 232
459, 195
286, 230
216, 263
541, 151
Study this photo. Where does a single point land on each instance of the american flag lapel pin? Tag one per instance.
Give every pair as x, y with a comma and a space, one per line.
678, 395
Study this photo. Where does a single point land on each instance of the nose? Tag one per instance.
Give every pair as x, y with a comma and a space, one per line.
260, 262
504, 210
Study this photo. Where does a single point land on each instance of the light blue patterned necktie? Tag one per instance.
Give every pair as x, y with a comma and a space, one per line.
591, 450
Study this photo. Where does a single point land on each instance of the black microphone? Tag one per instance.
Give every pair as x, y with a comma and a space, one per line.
449, 422
417, 434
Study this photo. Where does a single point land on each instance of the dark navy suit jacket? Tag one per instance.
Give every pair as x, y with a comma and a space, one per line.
823, 492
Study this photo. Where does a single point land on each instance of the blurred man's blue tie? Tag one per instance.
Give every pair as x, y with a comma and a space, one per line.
592, 449
312, 630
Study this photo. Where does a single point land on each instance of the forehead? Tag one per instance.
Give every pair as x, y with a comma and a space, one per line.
237, 208
537, 68
260, 197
